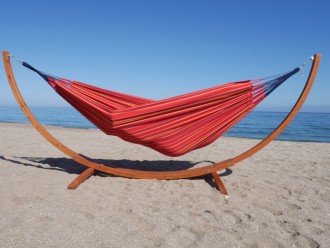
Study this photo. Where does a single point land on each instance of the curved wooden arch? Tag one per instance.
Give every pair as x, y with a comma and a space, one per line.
130, 173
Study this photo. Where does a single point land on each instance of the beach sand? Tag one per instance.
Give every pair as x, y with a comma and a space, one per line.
279, 197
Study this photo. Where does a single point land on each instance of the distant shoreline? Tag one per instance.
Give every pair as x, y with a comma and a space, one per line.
96, 129
305, 127
327, 111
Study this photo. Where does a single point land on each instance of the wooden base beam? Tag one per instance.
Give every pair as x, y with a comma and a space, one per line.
219, 183
81, 178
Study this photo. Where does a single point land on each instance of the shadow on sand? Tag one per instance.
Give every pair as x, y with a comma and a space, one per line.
70, 166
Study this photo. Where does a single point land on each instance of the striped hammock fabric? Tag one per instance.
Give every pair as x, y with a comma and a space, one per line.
172, 126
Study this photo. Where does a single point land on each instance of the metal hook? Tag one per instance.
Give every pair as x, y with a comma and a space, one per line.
304, 64
15, 58
20, 63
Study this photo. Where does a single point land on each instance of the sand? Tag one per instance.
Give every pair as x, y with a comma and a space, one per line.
280, 197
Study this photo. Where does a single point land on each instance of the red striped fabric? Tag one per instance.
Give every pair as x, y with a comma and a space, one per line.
172, 126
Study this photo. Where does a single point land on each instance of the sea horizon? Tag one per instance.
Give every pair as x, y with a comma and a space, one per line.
306, 126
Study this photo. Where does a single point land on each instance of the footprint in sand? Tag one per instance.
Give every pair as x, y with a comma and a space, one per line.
294, 206
236, 218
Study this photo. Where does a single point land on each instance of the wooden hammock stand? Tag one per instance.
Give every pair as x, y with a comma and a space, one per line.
179, 174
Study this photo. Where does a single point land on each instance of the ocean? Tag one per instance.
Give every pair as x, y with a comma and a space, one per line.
306, 127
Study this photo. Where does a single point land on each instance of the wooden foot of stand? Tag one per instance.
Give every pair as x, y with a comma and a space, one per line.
219, 183
81, 178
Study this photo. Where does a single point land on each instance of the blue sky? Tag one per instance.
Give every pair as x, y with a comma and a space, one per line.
158, 49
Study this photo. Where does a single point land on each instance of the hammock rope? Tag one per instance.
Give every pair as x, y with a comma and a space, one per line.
172, 126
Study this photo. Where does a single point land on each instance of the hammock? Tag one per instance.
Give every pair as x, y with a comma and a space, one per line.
172, 126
